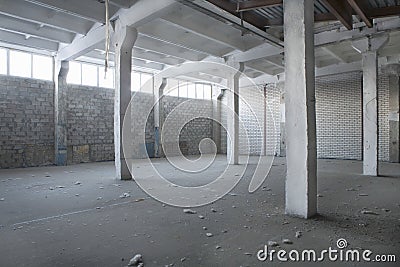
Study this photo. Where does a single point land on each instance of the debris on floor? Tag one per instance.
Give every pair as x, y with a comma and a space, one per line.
272, 243
137, 260
124, 195
298, 234
363, 195
189, 211
287, 241
209, 235
2, 199
77, 183
201, 216
369, 212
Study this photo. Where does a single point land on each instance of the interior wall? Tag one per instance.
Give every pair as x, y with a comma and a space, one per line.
339, 116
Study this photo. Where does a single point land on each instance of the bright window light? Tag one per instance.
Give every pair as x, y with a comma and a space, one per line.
3, 61
20, 64
146, 83
135, 81
207, 91
173, 92
74, 73
199, 90
42, 67
89, 75
183, 89
107, 80
191, 90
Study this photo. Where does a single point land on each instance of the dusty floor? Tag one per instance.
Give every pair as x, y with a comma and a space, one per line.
48, 220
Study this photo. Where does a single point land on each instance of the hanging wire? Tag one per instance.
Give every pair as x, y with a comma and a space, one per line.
107, 45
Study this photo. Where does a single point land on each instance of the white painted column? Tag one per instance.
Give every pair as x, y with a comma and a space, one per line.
369, 47
124, 39
393, 71
60, 114
301, 153
233, 113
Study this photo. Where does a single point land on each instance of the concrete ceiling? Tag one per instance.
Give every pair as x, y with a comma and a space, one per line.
173, 32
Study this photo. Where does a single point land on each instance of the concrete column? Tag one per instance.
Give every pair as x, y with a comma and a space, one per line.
233, 113
301, 153
393, 71
159, 85
369, 47
217, 116
124, 39
60, 114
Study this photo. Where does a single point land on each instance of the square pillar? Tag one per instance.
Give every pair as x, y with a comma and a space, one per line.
393, 71
60, 114
368, 47
301, 153
124, 39
159, 85
233, 113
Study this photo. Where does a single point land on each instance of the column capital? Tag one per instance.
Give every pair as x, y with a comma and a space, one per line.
124, 36
392, 69
234, 64
370, 44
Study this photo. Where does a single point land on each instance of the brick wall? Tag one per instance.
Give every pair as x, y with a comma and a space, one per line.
251, 110
339, 116
194, 130
26, 122
90, 123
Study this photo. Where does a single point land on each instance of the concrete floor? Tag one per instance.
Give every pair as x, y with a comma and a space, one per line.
48, 220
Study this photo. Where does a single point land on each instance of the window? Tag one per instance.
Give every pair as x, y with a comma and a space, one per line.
89, 75
183, 89
74, 73
42, 67
146, 83
135, 81
199, 90
106, 79
207, 91
20, 64
191, 90
3, 61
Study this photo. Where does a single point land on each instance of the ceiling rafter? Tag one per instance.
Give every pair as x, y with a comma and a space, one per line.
359, 7
341, 10
91, 11
253, 18
255, 4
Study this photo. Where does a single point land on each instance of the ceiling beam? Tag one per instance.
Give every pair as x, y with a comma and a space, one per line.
141, 12
202, 29
89, 10
342, 11
261, 51
44, 16
82, 45
169, 33
28, 28
256, 4
359, 7
334, 54
252, 18
145, 42
321, 39
383, 12
14, 38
